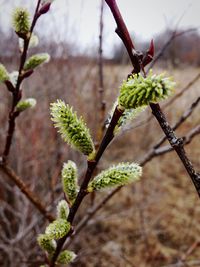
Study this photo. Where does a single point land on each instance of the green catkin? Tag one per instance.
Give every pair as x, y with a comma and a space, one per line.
139, 91
57, 229
121, 174
36, 60
4, 76
21, 20
62, 210
25, 104
66, 257
73, 129
69, 178
46, 243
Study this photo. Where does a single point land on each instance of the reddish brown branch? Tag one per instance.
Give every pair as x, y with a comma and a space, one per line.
124, 35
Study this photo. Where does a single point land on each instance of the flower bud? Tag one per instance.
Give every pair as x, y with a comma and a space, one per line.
139, 91
122, 174
21, 21
66, 257
73, 129
25, 104
57, 229
36, 60
47, 243
62, 210
69, 180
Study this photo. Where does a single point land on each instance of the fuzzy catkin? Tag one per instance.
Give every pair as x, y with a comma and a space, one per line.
36, 60
139, 91
21, 20
46, 243
121, 174
69, 178
66, 257
73, 129
3, 74
62, 210
57, 229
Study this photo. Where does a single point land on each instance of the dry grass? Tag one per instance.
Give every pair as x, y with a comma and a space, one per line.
150, 224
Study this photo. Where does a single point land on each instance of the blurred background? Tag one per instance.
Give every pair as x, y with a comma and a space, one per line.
154, 223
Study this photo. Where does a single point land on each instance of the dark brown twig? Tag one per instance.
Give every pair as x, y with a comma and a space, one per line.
185, 115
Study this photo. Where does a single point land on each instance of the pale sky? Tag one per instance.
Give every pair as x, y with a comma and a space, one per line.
144, 17
77, 20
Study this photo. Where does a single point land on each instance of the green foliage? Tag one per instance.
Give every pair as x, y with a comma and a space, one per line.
69, 180
36, 60
139, 91
21, 20
66, 257
72, 129
62, 210
4, 76
25, 104
57, 229
46, 243
122, 174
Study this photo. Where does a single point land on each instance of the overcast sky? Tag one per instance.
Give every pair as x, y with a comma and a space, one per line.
78, 19
144, 17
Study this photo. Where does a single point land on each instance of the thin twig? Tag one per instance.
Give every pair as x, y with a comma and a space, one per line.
26, 191
17, 92
173, 36
185, 115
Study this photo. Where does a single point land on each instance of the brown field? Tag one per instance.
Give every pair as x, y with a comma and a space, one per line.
150, 224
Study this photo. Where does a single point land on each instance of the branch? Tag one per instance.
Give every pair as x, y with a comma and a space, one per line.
155, 152
17, 92
124, 35
185, 115
175, 142
26, 191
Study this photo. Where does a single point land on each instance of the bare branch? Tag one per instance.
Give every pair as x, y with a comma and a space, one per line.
26, 191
